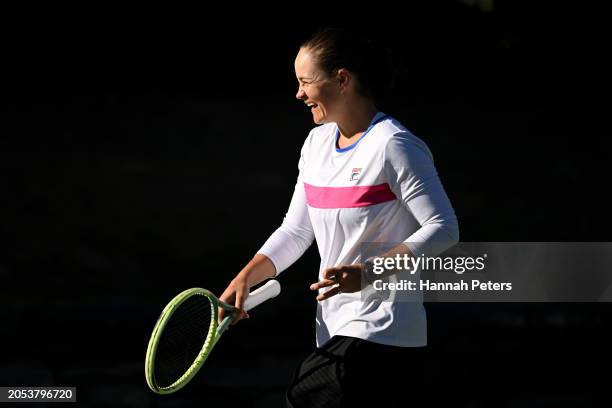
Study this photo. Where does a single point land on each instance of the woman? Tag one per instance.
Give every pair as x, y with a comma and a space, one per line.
363, 177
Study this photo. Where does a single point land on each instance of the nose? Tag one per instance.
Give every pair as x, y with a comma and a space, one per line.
300, 93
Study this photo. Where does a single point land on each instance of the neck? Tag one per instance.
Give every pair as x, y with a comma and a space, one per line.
356, 119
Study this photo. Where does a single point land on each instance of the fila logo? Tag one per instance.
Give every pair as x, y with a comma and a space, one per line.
355, 174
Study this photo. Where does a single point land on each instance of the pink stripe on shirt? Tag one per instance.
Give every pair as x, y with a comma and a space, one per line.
347, 197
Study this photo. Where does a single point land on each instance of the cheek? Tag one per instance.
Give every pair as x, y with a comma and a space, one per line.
327, 98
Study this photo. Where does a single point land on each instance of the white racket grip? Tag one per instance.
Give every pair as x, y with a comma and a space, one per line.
269, 290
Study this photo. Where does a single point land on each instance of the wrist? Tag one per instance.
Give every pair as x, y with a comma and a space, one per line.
241, 280
368, 274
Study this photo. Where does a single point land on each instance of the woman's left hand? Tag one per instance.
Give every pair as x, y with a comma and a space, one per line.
342, 279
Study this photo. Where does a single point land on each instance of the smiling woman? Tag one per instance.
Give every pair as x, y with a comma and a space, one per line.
332, 91
315, 88
362, 177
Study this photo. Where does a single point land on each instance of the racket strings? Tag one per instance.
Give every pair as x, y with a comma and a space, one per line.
182, 339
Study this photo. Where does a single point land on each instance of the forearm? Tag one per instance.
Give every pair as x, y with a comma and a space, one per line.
433, 238
400, 249
257, 270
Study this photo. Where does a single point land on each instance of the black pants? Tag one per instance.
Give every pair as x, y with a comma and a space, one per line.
350, 372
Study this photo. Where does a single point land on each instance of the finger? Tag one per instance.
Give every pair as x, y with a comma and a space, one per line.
241, 313
322, 284
332, 292
331, 273
227, 298
223, 314
240, 296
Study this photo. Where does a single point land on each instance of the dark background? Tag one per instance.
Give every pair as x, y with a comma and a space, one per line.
146, 152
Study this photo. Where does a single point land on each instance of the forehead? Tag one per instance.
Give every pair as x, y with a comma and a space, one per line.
305, 66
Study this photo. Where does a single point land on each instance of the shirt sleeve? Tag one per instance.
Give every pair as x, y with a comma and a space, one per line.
409, 168
289, 242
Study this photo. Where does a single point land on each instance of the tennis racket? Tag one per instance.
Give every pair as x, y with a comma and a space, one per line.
186, 332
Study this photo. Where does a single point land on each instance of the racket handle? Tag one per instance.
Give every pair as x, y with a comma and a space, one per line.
257, 297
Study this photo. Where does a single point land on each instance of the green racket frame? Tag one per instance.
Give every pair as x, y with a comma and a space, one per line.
215, 331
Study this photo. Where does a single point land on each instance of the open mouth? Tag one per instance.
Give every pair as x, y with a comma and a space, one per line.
312, 106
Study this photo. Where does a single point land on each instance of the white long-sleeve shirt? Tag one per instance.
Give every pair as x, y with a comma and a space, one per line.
383, 188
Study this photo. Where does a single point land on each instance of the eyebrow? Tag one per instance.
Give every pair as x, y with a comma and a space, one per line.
303, 78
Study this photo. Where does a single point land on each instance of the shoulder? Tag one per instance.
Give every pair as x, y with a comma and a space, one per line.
322, 131
399, 142
319, 135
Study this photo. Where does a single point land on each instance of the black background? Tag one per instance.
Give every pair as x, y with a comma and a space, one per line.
148, 151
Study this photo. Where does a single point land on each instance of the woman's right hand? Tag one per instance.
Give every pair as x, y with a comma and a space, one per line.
256, 271
235, 294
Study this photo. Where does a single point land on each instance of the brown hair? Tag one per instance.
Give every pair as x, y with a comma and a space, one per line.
373, 65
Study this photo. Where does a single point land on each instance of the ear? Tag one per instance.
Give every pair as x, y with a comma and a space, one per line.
344, 78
